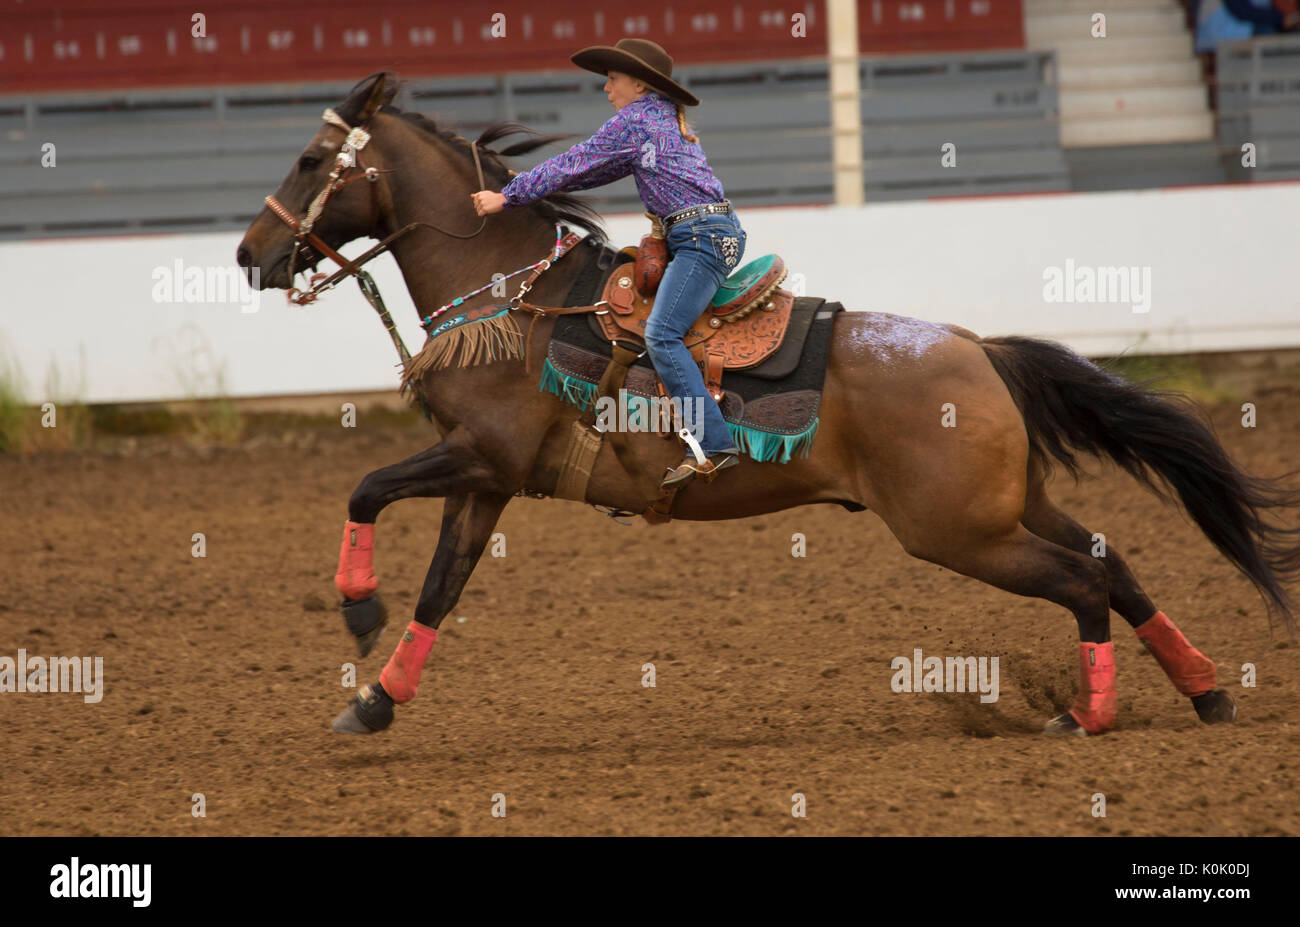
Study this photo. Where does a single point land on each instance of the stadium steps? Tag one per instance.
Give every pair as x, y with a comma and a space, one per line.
1139, 130
1139, 85
1172, 72
1088, 6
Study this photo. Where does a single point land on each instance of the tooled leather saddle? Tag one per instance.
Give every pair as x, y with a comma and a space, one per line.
743, 325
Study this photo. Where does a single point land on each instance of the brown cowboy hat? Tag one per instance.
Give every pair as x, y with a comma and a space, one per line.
639, 58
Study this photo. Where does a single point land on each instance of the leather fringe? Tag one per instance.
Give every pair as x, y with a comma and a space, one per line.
486, 341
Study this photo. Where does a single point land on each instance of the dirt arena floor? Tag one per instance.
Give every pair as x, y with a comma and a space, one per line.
773, 673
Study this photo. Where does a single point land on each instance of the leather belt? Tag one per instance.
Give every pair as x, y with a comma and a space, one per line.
695, 212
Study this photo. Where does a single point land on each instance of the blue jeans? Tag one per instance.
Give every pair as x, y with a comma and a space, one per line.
703, 252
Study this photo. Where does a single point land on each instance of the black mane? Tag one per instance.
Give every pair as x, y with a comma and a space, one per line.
556, 207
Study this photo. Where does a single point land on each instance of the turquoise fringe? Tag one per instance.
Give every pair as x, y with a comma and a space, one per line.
573, 390
760, 445
769, 446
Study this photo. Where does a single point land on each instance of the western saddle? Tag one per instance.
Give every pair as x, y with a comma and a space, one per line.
743, 325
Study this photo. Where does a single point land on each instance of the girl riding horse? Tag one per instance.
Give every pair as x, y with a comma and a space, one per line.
648, 138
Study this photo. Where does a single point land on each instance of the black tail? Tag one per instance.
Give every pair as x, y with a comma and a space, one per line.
1070, 404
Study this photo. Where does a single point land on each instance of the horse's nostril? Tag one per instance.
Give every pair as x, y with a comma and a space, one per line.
243, 256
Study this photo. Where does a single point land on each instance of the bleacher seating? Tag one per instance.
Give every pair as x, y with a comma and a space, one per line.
80, 44
196, 158
148, 160
203, 158
921, 26
998, 109
1140, 84
1259, 103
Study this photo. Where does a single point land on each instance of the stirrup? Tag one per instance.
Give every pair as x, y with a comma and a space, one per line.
708, 469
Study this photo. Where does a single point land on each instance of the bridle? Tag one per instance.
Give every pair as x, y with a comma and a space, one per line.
345, 162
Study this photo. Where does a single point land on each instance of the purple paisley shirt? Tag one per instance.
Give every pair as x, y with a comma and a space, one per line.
642, 139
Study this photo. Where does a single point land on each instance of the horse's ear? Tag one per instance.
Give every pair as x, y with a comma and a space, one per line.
368, 97
381, 94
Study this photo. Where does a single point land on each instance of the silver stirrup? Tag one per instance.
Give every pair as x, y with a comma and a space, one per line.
685, 434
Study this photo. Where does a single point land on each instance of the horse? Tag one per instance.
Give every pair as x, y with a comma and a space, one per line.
968, 493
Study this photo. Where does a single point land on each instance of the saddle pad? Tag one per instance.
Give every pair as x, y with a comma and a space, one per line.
771, 419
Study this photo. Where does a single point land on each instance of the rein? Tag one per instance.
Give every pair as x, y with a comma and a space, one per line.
346, 161
349, 158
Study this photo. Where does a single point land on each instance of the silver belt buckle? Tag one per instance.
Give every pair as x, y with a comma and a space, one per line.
696, 212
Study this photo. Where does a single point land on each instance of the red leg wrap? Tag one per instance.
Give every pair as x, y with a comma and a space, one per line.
356, 576
401, 677
1191, 671
1094, 705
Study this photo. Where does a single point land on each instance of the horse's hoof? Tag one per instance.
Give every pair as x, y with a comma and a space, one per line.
1065, 725
369, 713
1215, 707
365, 619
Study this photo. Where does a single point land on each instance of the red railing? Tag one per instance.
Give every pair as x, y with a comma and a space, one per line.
939, 25
53, 45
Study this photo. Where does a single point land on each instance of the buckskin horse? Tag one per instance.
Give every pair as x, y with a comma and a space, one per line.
970, 498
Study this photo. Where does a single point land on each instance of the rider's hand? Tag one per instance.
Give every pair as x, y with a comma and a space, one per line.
486, 202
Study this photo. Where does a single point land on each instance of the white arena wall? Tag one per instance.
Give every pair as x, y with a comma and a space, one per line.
1221, 264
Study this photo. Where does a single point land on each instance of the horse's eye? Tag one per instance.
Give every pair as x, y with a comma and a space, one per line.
308, 163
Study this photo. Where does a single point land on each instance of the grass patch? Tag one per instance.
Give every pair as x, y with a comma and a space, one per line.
115, 419
1169, 372
216, 418
59, 421
14, 411
65, 419
216, 421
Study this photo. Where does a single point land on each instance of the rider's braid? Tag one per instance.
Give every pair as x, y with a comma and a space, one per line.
681, 124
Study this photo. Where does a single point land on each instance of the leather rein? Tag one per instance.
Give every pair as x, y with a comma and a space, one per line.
345, 162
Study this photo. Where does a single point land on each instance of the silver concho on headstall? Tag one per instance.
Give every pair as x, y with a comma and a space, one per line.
730, 250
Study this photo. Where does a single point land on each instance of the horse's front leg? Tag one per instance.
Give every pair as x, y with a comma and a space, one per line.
467, 523
450, 467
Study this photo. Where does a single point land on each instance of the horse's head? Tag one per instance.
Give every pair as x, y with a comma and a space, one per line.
349, 212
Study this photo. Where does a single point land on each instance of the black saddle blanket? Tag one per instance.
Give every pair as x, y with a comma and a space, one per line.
771, 408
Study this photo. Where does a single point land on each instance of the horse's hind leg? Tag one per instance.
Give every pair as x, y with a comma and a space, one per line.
1029, 565
1191, 672
467, 523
